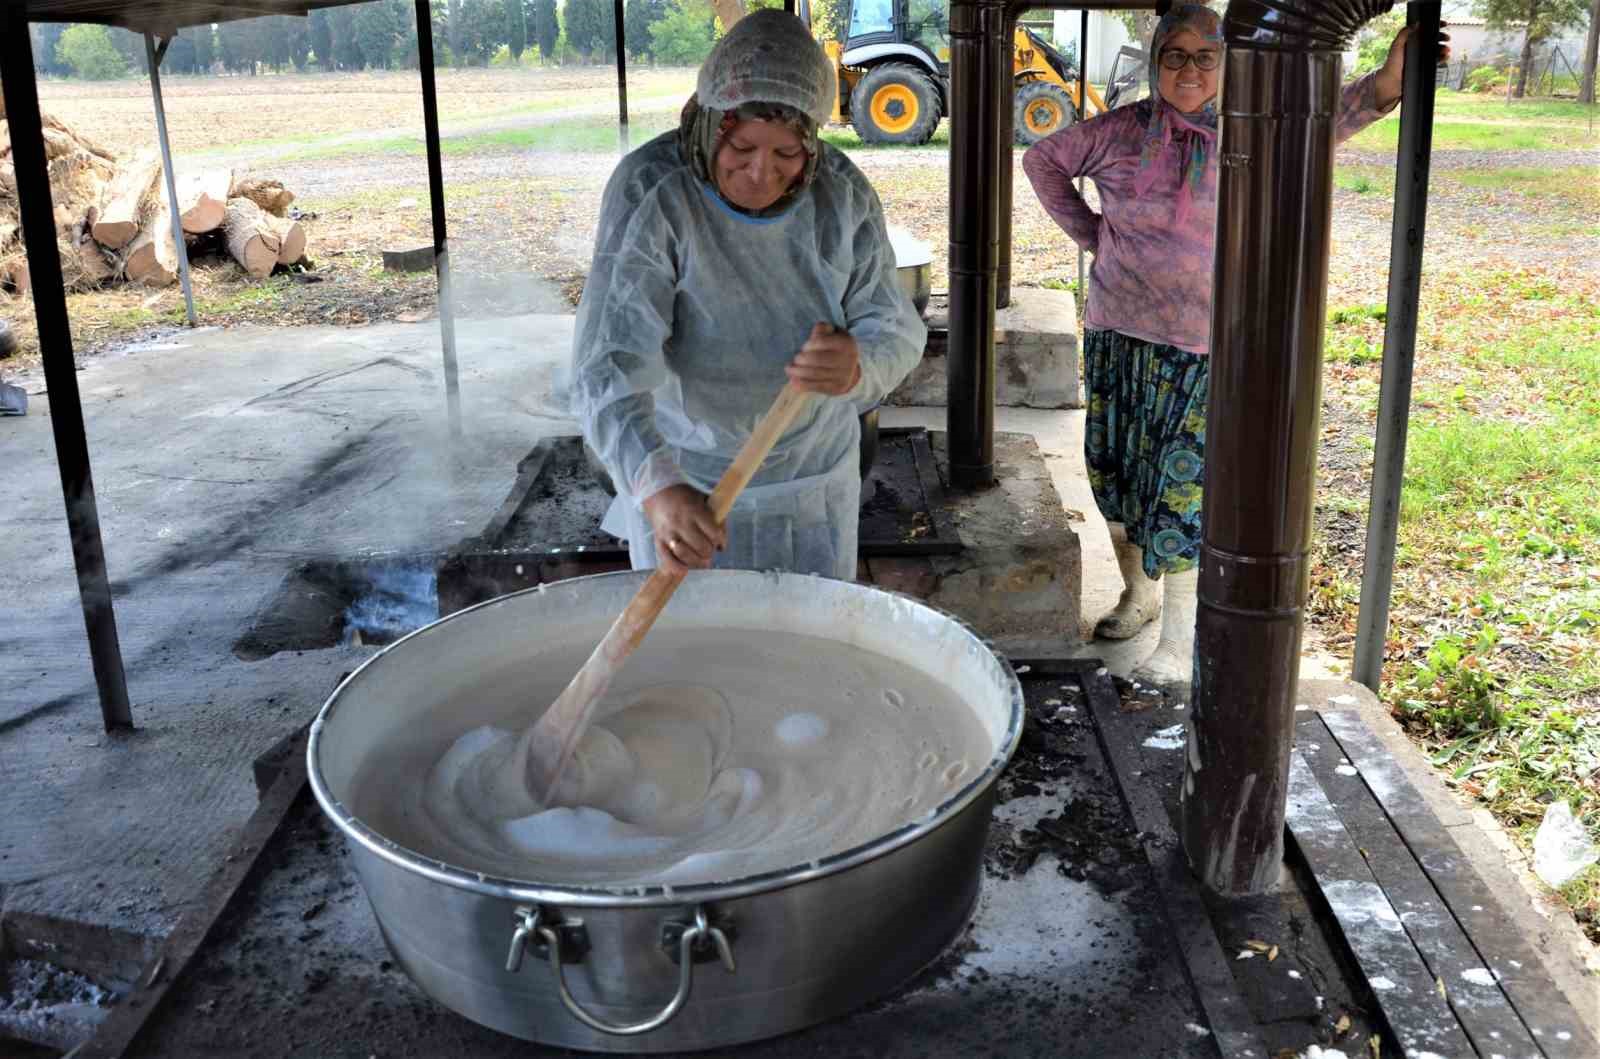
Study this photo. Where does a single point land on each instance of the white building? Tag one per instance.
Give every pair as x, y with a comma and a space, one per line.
1106, 37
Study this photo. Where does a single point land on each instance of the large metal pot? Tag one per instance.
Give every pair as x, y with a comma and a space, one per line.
604, 970
913, 261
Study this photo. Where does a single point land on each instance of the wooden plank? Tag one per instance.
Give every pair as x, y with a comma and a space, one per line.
1508, 955
1477, 1000
1418, 1017
128, 1018
1232, 1026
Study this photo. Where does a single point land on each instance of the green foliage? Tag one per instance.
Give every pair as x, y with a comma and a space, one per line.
1373, 43
546, 28
828, 19
1486, 79
205, 47
638, 22
87, 51
588, 24
46, 35
516, 29
1543, 19
377, 31
320, 29
481, 31
684, 37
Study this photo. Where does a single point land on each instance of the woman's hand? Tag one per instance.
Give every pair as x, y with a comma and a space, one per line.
1391, 76
686, 535
829, 362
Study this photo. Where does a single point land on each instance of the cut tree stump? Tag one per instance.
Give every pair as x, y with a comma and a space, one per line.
94, 267
252, 239
292, 240
270, 195
203, 199
153, 257
127, 202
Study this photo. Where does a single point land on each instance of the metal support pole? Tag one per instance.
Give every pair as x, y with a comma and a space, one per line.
1399, 339
1007, 157
55, 343
441, 245
1083, 114
155, 55
980, 64
622, 76
1280, 95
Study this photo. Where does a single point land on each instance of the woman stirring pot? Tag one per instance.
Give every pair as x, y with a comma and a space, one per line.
733, 255
1148, 316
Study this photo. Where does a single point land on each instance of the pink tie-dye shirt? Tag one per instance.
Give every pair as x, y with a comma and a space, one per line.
1152, 268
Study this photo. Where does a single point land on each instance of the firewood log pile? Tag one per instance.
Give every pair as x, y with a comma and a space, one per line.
114, 222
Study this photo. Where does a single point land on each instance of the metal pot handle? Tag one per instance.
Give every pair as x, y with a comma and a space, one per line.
694, 933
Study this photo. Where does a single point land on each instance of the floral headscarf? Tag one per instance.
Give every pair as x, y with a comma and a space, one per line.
1173, 139
700, 133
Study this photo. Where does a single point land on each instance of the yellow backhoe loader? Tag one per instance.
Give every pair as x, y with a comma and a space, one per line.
894, 75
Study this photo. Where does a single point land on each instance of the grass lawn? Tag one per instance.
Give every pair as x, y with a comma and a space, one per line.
1494, 645
1468, 121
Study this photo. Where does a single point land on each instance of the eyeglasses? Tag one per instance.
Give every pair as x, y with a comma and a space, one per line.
1176, 59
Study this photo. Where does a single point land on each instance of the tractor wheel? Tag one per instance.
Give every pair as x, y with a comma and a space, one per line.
895, 103
1041, 109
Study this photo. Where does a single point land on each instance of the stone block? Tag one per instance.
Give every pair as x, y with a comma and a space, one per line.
1019, 575
1036, 354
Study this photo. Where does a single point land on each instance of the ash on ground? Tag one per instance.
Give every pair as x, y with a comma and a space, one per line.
46, 1004
1089, 835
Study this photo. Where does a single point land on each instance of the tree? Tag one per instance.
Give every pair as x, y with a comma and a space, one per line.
180, 54
453, 29
46, 35
273, 38
377, 30
320, 27
546, 28
205, 47
298, 37
516, 29
827, 19
346, 43
588, 24
87, 51
684, 37
1590, 49
1372, 48
1539, 20
637, 20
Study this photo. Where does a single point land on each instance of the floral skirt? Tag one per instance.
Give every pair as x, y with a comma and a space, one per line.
1144, 443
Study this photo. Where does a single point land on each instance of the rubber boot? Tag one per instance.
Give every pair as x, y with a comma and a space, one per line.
1172, 662
1141, 596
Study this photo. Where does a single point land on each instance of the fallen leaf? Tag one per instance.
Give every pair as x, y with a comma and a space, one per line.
1375, 1046
1438, 984
1342, 1027
1272, 954
1257, 946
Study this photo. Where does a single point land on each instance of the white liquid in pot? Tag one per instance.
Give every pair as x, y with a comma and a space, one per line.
716, 755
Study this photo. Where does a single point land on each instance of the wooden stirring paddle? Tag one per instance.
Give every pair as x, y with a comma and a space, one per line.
546, 747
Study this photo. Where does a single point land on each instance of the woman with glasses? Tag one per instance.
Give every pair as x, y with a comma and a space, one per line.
1148, 315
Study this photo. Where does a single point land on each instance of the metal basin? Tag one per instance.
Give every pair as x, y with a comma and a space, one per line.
656, 969
917, 282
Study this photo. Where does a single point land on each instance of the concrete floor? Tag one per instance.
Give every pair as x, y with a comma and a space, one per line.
221, 461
